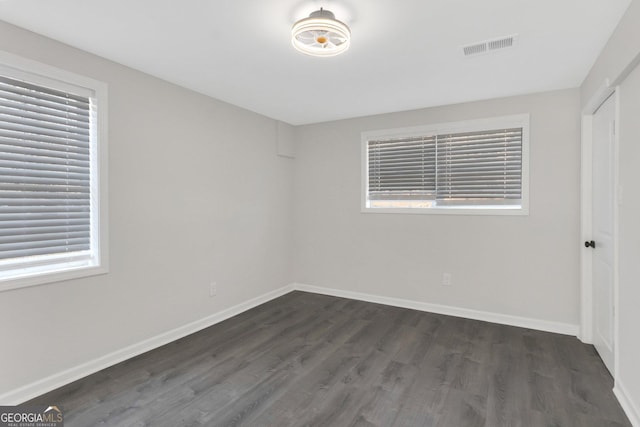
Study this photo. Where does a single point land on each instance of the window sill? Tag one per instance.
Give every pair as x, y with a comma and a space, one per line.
34, 277
497, 211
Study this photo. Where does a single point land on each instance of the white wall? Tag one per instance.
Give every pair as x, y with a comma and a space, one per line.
619, 54
197, 193
629, 245
511, 265
618, 62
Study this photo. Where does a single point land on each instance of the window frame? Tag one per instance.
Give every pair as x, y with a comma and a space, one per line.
48, 271
477, 125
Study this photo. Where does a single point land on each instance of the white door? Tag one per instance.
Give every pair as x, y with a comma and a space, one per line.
602, 243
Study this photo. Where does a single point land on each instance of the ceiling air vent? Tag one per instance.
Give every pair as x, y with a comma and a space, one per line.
489, 45
474, 49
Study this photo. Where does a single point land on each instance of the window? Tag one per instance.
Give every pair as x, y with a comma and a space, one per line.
473, 167
52, 154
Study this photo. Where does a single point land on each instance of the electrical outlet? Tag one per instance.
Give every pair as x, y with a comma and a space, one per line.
446, 279
213, 289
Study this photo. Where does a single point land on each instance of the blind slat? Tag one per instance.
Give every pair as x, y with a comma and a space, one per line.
11, 110
4, 232
41, 152
44, 237
28, 223
13, 179
27, 128
61, 147
72, 143
9, 103
45, 160
30, 90
31, 163
51, 250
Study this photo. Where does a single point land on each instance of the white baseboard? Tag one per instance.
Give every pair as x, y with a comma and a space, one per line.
523, 322
29, 391
629, 407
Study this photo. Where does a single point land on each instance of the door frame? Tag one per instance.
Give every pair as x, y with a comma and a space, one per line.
586, 221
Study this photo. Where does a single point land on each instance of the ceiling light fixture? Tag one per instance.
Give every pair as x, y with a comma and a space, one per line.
321, 34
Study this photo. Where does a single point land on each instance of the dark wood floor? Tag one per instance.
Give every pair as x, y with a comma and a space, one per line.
313, 360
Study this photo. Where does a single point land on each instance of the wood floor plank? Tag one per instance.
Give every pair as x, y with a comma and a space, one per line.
313, 360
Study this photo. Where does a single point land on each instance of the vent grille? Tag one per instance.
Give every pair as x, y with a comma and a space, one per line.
475, 49
489, 45
500, 44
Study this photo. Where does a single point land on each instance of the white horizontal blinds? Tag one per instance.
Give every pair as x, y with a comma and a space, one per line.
402, 168
465, 168
44, 171
480, 167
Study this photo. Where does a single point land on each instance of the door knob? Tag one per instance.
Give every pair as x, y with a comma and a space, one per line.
590, 243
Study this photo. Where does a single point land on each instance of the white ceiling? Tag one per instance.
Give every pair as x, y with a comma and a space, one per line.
405, 54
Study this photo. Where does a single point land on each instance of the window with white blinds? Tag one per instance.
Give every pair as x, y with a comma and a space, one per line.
471, 167
49, 193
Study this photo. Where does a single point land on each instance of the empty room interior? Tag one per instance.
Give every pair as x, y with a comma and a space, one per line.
320, 213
